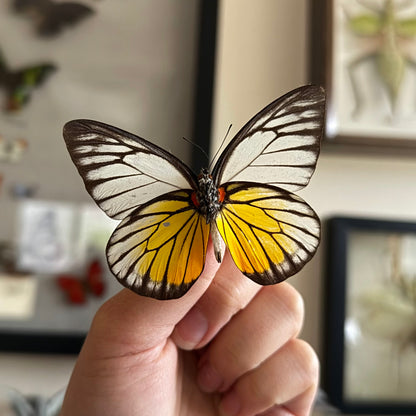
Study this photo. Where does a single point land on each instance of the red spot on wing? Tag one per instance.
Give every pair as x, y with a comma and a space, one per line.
194, 199
221, 194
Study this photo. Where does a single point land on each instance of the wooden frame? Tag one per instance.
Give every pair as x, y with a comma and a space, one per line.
362, 111
370, 361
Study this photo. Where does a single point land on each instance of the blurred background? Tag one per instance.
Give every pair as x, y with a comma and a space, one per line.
137, 65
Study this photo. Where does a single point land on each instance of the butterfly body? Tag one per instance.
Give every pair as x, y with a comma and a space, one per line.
168, 213
207, 198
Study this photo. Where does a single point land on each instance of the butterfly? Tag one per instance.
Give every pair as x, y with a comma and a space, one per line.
12, 151
167, 212
19, 84
50, 17
76, 289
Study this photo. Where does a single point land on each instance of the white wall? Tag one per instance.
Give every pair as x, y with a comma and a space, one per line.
263, 54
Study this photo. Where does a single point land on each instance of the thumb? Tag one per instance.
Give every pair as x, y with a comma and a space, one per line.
129, 322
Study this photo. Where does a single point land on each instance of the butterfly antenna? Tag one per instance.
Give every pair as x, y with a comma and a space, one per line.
221, 146
197, 146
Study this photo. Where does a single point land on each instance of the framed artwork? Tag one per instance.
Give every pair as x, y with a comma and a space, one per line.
147, 67
60, 277
369, 51
370, 360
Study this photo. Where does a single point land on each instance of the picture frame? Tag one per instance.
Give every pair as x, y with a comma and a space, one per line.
370, 314
22, 335
370, 84
58, 277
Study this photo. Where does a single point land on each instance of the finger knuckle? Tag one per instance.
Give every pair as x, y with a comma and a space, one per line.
308, 362
230, 296
292, 305
259, 389
296, 305
233, 359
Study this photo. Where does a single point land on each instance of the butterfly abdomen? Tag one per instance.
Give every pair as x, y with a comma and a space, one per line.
208, 198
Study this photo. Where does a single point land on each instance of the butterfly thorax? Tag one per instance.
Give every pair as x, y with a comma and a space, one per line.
207, 197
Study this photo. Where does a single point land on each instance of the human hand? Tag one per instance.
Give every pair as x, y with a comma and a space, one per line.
228, 347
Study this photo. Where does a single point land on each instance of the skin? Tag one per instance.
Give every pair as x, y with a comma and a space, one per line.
228, 347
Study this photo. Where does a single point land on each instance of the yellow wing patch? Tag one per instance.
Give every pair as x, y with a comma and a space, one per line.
159, 249
270, 233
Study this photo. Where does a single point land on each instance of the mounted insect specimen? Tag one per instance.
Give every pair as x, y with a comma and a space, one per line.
393, 38
11, 151
389, 311
168, 212
51, 17
19, 84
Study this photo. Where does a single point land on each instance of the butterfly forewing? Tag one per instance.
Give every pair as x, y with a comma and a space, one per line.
280, 145
122, 171
270, 233
159, 250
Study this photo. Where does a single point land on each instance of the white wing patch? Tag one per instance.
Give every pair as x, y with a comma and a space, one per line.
119, 172
280, 145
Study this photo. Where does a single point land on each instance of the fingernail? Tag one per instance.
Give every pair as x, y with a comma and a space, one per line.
209, 379
230, 405
192, 328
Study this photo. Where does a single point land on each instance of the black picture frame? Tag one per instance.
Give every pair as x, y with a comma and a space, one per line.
343, 233
16, 340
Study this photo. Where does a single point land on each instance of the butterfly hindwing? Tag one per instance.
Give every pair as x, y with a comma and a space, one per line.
279, 145
270, 233
121, 171
159, 249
